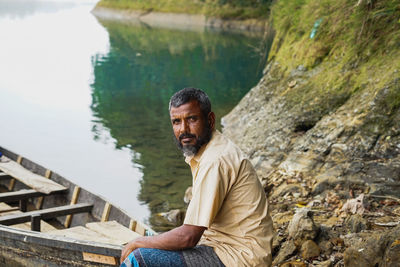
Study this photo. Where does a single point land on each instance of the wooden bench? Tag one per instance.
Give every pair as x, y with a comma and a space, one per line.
110, 232
35, 216
33, 180
23, 195
6, 209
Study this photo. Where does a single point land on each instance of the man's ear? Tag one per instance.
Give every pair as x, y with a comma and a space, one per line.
211, 120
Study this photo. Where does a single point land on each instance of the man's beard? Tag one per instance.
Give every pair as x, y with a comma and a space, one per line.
191, 150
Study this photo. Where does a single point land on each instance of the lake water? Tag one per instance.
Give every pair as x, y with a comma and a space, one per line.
89, 98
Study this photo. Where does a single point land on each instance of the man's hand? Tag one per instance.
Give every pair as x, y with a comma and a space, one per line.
185, 236
131, 246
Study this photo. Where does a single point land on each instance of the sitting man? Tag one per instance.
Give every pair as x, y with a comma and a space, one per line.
227, 221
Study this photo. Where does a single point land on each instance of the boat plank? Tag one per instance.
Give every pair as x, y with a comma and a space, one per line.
35, 181
113, 230
44, 226
46, 213
23, 194
83, 233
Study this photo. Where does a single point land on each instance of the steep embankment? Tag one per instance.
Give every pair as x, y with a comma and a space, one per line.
323, 126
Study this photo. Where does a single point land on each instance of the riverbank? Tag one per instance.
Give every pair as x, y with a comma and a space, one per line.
179, 20
322, 128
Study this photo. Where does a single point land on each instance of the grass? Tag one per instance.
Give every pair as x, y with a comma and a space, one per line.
356, 50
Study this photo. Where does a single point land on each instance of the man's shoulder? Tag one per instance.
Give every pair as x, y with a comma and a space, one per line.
222, 149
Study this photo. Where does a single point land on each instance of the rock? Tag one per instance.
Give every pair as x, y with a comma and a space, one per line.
324, 184
288, 248
174, 216
326, 247
373, 249
309, 250
327, 263
292, 84
356, 223
293, 264
302, 226
392, 255
188, 195
355, 205
354, 258
284, 188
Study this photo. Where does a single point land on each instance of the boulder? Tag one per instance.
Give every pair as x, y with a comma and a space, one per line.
309, 250
356, 223
302, 226
288, 248
373, 249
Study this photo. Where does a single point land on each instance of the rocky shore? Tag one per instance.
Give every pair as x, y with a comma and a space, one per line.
322, 129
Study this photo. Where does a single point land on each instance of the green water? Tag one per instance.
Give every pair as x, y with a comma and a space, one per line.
134, 81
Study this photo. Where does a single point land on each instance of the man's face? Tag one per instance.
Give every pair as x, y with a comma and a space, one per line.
191, 128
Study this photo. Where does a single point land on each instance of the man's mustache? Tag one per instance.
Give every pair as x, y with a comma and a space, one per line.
186, 135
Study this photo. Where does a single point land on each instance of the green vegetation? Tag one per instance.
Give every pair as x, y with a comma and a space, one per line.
235, 9
355, 52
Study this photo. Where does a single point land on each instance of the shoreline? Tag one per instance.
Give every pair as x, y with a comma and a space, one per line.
180, 21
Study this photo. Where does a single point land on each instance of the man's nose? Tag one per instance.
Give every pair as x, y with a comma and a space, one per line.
184, 126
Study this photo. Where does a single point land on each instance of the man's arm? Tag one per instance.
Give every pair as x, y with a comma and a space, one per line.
185, 236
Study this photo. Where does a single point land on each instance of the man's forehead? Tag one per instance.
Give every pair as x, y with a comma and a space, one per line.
187, 109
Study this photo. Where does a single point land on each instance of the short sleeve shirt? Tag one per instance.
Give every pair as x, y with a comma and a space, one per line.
229, 200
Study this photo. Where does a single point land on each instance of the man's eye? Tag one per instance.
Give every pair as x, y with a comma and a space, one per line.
175, 121
192, 119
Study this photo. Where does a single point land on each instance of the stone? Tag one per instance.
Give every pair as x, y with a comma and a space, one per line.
174, 216
288, 248
284, 188
392, 255
355, 205
293, 264
302, 226
309, 250
373, 249
327, 263
356, 223
326, 247
354, 258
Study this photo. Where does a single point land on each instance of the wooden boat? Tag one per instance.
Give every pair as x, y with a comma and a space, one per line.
46, 220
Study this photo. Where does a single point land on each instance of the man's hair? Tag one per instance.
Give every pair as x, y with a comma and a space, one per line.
189, 94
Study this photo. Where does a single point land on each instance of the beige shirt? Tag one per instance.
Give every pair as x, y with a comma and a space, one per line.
229, 200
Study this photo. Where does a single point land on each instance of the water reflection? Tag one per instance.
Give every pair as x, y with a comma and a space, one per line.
134, 81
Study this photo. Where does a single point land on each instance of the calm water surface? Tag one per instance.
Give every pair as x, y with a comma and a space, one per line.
89, 98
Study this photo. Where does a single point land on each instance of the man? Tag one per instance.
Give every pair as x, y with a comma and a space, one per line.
227, 222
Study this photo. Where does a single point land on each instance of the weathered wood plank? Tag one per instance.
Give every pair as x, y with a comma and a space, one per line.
46, 213
39, 203
106, 212
30, 239
82, 233
99, 258
113, 230
24, 194
37, 182
140, 228
7, 209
